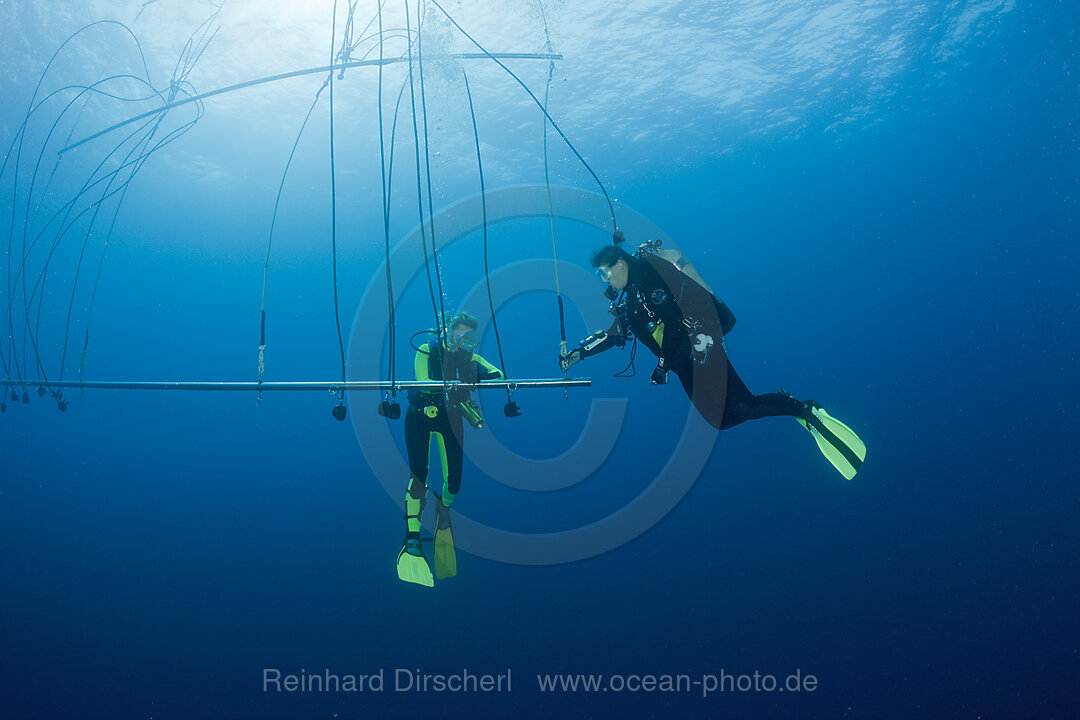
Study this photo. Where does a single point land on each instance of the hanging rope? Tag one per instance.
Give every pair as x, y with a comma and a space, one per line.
339, 411
551, 218
603, 190
389, 408
32, 330
178, 84
56, 165
143, 156
551, 207
150, 140
487, 269
16, 152
343, 55
386, 408
386, 213
273, 222
427, 160
97, 275
419, 176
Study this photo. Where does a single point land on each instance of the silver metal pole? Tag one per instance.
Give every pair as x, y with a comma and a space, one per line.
299, 386
298, 73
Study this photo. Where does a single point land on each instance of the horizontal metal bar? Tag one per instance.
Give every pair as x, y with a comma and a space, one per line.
299, 73
299, 386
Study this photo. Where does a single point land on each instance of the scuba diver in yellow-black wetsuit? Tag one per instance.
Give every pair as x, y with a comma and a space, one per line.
670, 309
432, 414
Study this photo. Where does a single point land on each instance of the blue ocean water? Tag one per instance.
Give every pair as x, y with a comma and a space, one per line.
884, 193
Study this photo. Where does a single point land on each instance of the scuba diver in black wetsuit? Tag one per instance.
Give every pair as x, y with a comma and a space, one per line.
658, 300
438, 414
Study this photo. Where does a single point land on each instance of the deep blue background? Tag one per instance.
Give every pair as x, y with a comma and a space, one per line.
919, 277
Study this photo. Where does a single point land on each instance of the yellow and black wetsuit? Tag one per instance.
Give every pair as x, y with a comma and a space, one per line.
430, 415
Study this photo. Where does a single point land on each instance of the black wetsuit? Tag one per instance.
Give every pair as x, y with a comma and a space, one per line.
682, 323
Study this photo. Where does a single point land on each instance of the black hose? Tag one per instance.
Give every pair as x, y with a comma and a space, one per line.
390, 308
427, 161
333, 206
483, 206
611, 206
419, 176
277, 205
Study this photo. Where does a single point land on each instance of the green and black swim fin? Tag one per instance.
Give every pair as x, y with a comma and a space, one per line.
445, 554
837, 442
412, 566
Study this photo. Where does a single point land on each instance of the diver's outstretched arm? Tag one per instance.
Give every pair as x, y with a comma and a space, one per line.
598, 342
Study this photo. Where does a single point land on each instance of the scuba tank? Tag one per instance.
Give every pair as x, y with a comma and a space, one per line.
681, 263
676, 258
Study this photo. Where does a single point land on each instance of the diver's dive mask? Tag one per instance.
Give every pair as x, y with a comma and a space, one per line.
467, 340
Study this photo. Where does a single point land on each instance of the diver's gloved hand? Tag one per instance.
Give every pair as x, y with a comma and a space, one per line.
457, 394
659, 375
565, 361
482, 373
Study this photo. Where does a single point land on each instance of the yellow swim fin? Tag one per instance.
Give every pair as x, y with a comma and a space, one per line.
412, 566
837, 442
445, 554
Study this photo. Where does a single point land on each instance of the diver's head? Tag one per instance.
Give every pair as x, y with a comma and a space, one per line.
612, 265
461, 332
